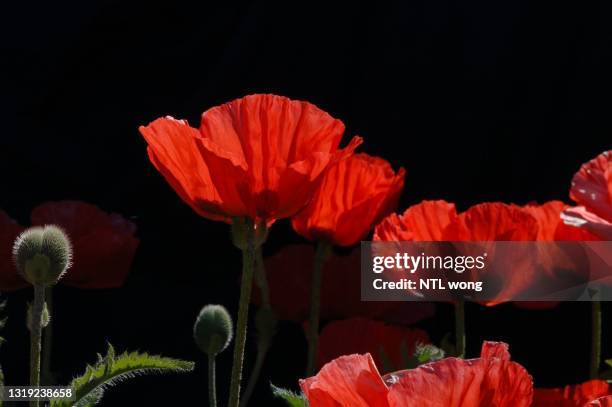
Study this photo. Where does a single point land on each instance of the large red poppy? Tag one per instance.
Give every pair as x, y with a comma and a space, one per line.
103, 245
353, 196
571, 396
492, 380
390, 345
261, 156
592, 190
288, 269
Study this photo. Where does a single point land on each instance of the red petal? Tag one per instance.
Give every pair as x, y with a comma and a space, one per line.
600, 402
493, 221
268, 151
349, 381
548, 216
579, 216
173, 151
490, 381
353, 195
426, 221
592, 186
570, 396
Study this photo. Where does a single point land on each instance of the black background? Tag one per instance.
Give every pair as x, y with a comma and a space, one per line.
478, 100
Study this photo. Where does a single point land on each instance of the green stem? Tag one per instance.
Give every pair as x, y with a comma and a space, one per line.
460, 327
35, 337
595, 338
248, 260
261, 278
259, 361
321, 254
47, 342
264, 339
212, 386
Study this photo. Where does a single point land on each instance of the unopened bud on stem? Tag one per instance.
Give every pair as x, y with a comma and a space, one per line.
213, 329
42, 255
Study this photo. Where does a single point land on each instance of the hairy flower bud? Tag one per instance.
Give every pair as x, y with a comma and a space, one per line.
213, 329
42, 254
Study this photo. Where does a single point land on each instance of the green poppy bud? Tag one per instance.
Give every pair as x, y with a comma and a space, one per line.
42, 254
213, 329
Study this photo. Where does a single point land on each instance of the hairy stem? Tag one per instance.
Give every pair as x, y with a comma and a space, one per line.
47, 343
321, 254
212, 385
248, 260
263, 338
595, 338
259, 361
35, 337
460, 327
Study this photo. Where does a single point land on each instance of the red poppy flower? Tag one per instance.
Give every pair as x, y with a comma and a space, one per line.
489, 381
261, 156
390, 345
103, 245
353, 196
288, 269
426, 221
600, 402
592, 189
9, 230
571, 396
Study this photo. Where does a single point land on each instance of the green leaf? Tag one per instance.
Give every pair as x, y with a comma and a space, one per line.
111, 370
292, 399
425, 353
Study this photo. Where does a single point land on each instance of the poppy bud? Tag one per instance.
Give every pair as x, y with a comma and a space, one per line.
213, 329
42, 254
240, 232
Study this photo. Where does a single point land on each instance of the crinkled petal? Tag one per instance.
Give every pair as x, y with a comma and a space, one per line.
571, 396
349, 381
353, 196
490, 381
173, 150
426, 221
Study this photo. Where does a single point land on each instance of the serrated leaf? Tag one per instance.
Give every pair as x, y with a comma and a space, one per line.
111, 370
292, 399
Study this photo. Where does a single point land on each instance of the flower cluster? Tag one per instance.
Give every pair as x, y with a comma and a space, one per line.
262, 158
